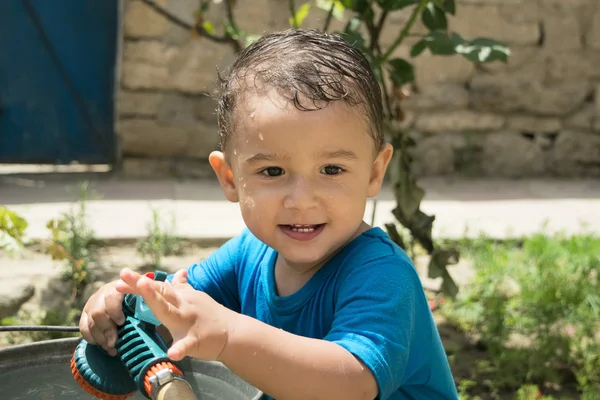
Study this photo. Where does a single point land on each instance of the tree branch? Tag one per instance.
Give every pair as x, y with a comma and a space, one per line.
329, 16
196, 28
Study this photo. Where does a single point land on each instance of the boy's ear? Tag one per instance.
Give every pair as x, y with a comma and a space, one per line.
378, 169
224, 174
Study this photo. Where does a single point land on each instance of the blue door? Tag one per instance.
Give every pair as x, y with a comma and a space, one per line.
57, 81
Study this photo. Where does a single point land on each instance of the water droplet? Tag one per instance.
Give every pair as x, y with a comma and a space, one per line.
260, 136
270, 367
255, 353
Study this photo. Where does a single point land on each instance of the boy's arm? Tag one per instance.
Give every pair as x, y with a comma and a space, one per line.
288, 366
374, 319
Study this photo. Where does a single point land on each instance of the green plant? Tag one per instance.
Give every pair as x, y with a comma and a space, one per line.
161, 240
363, 29
535, 307
12, 231
463, 388
73, 241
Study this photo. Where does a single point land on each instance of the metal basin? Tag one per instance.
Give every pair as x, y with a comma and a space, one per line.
40, 371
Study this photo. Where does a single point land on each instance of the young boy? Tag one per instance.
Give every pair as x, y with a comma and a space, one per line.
309, 302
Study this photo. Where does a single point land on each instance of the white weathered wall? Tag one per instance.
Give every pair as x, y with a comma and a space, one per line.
538, 115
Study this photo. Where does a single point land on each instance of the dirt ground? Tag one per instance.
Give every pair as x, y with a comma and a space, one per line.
465, 353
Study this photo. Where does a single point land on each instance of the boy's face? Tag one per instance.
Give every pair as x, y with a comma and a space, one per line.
302, 178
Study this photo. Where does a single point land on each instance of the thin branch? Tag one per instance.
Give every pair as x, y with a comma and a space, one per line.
406, 30
386, 95
198, 29
329, 16
231, 19
292, 6
378, 29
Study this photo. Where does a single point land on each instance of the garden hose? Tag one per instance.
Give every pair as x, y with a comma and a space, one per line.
141, 364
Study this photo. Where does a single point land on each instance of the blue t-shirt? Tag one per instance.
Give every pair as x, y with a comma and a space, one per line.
367, 298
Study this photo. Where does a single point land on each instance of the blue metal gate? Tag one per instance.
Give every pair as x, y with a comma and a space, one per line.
57, 74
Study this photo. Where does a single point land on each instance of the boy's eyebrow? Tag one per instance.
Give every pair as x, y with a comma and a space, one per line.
258, 157
339, 154
264, 157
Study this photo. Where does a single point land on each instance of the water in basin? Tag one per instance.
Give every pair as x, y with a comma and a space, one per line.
42, 372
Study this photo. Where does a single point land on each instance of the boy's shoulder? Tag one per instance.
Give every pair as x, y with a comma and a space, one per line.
375, 248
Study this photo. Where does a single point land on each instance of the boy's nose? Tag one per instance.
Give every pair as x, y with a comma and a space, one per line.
301, 195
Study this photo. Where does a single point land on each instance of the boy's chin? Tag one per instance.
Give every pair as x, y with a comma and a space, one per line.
305, 258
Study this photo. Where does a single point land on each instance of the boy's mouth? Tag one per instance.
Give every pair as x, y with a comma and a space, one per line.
302, 231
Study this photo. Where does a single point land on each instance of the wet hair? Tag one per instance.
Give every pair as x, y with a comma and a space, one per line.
310, 69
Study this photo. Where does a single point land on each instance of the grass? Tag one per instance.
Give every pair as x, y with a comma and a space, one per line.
533, 313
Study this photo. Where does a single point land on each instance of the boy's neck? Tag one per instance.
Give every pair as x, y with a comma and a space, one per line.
291, 278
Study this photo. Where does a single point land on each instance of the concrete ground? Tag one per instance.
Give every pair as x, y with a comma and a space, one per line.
497, 208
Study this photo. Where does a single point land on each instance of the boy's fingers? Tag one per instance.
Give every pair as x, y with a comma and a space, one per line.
129, 277
182, 347
84, 328
114, 307
180, 277
124, 288
160, 298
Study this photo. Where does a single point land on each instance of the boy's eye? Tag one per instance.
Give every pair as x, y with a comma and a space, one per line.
272, 171
331, 170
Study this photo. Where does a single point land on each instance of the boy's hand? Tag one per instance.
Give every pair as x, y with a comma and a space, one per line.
100, 317
199, 325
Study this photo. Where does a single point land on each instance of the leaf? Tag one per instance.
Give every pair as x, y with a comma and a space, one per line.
440, 258
401, 71
439, 43
418, 48
208, 27
338, 8
232, 31
449, 287
483, 50
12, 230
450, 6
406, 192
434, 18
251, 39
352, 34
392, 5
57, 252
439, 3
394, 235
479, 50
359, 6
300, 16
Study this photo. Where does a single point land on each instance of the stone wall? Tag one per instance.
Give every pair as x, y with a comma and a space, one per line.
538, 115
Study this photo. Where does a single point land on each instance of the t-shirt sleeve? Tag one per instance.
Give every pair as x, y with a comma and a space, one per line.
374, 318
217, 274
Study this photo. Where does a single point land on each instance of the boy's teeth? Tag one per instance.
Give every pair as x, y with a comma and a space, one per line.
303, 228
